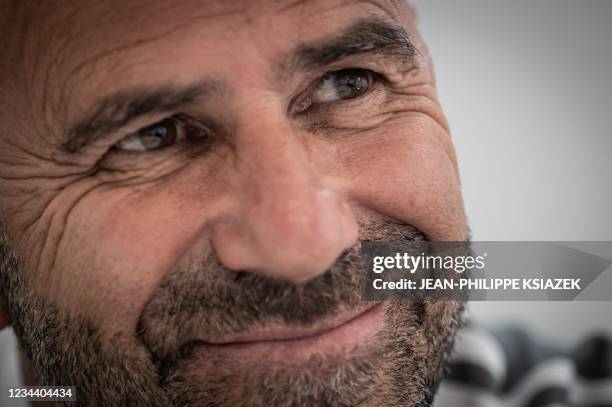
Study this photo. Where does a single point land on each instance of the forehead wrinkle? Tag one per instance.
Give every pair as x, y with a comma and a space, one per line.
182, 22
390, 8
291, 5
108, 60
87, 68
38, 40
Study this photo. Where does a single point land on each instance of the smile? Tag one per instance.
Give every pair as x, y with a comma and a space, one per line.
343, 332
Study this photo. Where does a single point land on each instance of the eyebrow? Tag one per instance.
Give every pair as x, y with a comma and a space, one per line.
111, 113
117, 110
368, 36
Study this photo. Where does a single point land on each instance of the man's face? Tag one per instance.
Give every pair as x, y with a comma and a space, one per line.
184, 186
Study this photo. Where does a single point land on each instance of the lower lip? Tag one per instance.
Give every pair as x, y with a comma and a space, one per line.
344, 338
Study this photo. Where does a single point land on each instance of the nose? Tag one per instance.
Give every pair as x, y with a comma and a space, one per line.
287, 223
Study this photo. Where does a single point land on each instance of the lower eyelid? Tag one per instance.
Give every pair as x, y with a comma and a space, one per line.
125, 161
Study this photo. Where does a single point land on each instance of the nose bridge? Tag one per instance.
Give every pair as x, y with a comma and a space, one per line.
275, 165
284, 194
289, 224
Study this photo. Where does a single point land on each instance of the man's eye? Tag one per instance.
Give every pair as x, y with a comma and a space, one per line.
160, 135
340, 85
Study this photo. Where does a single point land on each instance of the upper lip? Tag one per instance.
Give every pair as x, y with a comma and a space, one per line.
282, 332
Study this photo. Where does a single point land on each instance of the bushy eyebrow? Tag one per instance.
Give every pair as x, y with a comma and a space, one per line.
371, 36
117, 110
110, 113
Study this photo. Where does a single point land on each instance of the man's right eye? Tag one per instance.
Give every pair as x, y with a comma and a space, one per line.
162, 134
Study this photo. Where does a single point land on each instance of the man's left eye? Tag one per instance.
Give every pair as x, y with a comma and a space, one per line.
340, 85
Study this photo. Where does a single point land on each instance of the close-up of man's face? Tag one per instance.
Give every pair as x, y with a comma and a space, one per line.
184, 187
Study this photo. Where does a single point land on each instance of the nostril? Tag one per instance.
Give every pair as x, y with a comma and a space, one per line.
240, 275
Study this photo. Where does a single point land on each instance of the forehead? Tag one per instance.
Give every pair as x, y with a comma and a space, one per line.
111, 39
76, 50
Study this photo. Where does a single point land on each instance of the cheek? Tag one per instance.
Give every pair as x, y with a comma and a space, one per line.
408, 173
119, 245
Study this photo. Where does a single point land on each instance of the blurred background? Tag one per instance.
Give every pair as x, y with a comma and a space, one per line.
527, 88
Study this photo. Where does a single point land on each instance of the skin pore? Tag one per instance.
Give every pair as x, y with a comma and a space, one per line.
179, 178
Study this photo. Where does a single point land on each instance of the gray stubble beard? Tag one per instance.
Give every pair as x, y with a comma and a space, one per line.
401, 368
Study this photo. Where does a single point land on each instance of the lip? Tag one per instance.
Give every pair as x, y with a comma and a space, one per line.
280, 343
282, 333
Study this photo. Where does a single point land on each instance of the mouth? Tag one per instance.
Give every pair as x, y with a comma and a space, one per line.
341, 333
